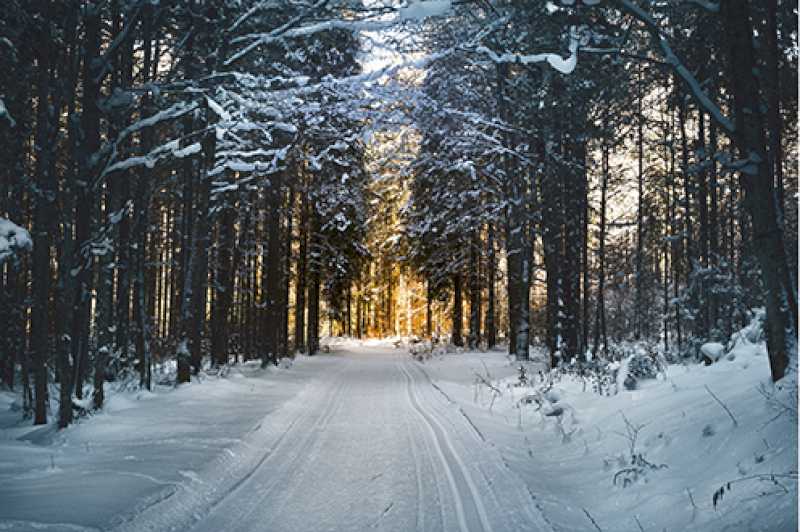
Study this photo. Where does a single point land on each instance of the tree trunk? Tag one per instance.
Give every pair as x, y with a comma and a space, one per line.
600, 330
312, 332
688, 237
574, 195
428, 315
90, 127
637, 331
286, 272
300, 286
456, 338
774, 122
348, 331
702, 211
713, 223
675, 232
272, 302
43, 227
474, 292
491, 274
757, 180
220, 319
197, 277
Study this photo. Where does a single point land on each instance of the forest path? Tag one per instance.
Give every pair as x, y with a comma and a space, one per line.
371, 444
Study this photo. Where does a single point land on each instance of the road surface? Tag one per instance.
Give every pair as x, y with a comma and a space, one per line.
372, 445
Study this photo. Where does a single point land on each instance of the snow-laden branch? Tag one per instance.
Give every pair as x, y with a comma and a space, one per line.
415, 11
713, 7
420, 10
171, 113
235, 164
247, 14
5, 114
218, 110
263, 38
669, 56
171, 148
174, 111
13, 239
304, 31
565, 66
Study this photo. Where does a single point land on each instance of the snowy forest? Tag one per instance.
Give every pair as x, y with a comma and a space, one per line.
493, 232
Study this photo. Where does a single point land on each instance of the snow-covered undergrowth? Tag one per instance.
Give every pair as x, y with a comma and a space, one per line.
143, 446
698, 448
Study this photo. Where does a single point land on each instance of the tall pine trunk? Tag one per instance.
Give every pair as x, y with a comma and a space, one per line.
44, 207
456, 337
312, 326
220, 320
300, 285
474, 292
491, 274
758, 182
272, 322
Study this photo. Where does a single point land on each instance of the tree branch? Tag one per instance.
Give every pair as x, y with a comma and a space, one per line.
694, 86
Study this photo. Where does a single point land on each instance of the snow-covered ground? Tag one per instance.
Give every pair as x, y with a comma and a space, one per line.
569, 462
365, 437
141, 448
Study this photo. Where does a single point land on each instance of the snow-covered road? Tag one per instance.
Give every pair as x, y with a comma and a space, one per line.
365, 438
371, 444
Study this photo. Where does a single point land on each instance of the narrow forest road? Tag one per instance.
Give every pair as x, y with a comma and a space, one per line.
372, 445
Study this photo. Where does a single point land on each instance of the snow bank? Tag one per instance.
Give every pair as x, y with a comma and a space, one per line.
668, 445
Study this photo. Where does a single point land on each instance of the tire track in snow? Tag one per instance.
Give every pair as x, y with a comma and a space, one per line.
287, 471
488, 456
472, 514
412, 444
443, 412
476, 433
186, 505
10, 524
307, 456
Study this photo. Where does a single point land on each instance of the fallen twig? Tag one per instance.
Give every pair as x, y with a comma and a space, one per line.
592, 520
762, 477
691, 499
723, 405
491, 386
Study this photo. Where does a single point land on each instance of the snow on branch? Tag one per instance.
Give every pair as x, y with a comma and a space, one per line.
171, 148
246, 15
304, 31
218, 110
672, 59
149, 160
416, 10
13, 239
565, 66
172, 112
419, 10
236, 164
713, 7
5, 114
